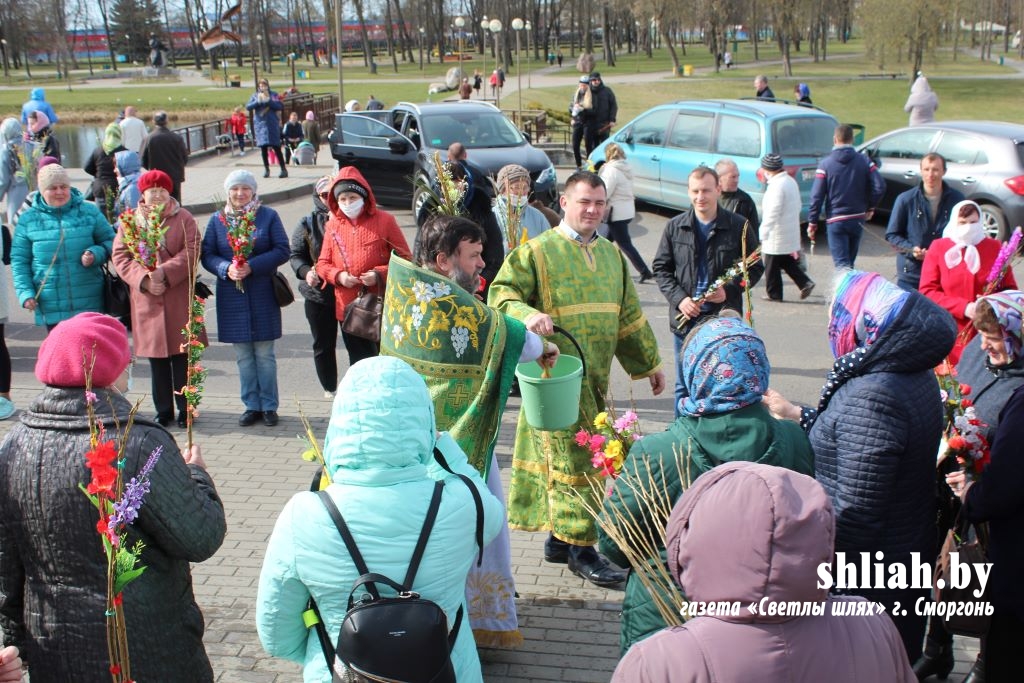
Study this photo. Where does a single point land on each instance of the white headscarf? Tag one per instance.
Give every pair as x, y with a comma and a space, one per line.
965, 236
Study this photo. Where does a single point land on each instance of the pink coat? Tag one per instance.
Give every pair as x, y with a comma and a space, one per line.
157, 321
743, 532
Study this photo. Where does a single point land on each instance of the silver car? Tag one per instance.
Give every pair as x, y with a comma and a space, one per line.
984, 160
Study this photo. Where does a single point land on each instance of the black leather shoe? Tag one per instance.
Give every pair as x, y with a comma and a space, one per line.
284, 173
977, 672
555, 550
163, 420
646, 277
587, 563
806, 291
270, 417
934, 663
249, 418
266, 173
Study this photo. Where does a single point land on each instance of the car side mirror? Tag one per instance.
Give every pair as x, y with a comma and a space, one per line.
398, 145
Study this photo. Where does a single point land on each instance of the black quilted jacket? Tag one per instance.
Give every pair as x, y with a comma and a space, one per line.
875, 444
52, 566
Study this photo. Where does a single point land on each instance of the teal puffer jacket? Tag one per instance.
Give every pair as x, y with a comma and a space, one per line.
378, 448
46, 258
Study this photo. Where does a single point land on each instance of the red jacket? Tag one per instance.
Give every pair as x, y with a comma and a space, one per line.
358, 246
954, 288
237, 124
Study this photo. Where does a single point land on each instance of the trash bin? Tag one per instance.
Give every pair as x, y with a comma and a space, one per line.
687, 69
858, 133
236, 81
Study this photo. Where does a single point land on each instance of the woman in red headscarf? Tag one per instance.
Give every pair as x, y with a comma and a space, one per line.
156, 252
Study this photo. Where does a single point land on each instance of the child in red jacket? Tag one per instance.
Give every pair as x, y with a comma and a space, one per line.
237, 125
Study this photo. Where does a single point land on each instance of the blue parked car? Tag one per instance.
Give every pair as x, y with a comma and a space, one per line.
667, 142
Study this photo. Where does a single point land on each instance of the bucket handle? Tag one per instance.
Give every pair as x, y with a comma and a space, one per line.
565, 333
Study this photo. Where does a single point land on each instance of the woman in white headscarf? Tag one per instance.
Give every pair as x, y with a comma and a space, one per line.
956, 270
922, 102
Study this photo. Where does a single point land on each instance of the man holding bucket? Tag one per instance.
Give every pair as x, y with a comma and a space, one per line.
570, 277
467, 354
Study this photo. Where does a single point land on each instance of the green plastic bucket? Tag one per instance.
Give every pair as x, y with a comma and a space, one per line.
552, 403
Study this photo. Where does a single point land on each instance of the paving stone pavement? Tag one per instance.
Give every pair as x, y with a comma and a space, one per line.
570, 627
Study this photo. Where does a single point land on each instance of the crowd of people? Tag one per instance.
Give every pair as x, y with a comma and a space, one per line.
854, 471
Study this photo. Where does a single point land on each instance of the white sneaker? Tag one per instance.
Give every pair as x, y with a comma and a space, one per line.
6, 408
328, 394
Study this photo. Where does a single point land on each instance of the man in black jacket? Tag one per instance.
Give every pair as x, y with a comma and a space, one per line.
605, 109
165, 151
697, 247
733, 198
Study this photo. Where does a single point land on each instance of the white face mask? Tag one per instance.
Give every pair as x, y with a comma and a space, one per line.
352, 209
518, 200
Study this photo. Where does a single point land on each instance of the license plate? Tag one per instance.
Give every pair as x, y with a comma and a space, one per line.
808, 174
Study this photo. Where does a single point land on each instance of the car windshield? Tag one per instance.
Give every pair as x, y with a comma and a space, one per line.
474, 130
803, 137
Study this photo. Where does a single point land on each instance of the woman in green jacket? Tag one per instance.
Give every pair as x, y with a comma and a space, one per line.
722, 420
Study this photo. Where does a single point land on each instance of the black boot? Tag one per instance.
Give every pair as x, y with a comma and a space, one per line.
977, 672
935, 661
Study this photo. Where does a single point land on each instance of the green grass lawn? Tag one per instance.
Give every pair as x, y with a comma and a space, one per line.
835, 84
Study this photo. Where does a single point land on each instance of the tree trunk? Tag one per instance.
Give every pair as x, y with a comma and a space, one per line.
606, 38
671, 49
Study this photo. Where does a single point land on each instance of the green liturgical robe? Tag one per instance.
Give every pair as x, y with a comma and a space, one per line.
586, 289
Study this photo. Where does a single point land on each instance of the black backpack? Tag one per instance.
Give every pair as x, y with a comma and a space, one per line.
402, 639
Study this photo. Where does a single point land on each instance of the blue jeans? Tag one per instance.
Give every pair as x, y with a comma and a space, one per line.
257, 370
844, 241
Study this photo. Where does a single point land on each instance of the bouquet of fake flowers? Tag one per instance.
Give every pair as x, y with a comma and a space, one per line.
143, 234
118, 504
195, 373
736, 270
610, 441
1004, 261
240, 229
963, 433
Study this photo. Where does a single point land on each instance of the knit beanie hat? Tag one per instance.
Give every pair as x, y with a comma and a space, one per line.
47, 160
51, 175
771, 162
584, 78
350, 186
310, 116
87, 338
322, 185
509, 173
155, 178
240, 177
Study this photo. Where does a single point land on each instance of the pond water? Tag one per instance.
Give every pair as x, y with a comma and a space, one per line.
78, 141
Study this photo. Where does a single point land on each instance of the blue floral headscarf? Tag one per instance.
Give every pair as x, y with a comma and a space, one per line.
1008, 306
725, 368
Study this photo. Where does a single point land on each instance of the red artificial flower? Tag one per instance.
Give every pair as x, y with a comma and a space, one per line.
957, 442
965, 389
115, 669
118, 599
966, 403
582, 438
597, 443
981, 463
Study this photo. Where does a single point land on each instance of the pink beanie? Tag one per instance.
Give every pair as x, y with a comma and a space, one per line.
310, 116
63, 355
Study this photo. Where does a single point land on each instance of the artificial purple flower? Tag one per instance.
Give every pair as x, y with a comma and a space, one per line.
126, 510
143, 252
90, 398
1006, 252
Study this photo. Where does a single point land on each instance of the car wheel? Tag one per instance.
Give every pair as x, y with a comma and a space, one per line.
994, 222
420, 196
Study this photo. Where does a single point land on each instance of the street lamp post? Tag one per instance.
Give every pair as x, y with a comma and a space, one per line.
485, 25
460, 23
495, 27
529, 57
517, 26
422, 33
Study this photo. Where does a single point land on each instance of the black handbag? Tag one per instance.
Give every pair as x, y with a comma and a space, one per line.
5, 235
969, 614
201, 289
283, 293
117, 298
363, 316
403, 638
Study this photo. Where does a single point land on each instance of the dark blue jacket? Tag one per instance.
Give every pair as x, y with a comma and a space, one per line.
912, 225
252, 315
266, 119
846, 186
998, 498
875, 443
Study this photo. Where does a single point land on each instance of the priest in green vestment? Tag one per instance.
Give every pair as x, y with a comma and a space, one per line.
571, 277
467, 353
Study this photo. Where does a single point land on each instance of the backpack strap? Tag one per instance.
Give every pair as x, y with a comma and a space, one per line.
346, 536
421, 544
477, 500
